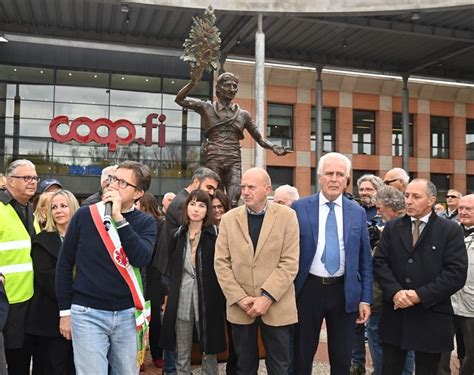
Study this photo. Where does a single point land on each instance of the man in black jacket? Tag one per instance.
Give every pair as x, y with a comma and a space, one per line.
419, 263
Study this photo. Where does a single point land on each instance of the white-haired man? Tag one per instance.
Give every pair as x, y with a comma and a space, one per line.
104, 183
397, 178
286, 195
334, 280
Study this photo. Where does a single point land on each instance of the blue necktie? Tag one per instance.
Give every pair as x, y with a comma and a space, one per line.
331, 254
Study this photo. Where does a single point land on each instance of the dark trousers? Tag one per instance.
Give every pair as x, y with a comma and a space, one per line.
154, 331
231, 365
275, 340
52, 356
316, 302
466, 326
393, 361
18, 361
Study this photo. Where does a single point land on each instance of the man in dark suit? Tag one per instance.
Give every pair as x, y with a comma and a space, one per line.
419, 263
334, 281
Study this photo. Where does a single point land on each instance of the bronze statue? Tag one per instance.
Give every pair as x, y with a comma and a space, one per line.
224, 124
224, 121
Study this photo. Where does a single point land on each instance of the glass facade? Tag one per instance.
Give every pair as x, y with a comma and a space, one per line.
397, 134
99, 106
440, 137
329, 126
280, 124
470, 139
363, 133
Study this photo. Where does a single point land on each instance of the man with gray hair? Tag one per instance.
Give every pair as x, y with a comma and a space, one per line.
286, 195
397, 178
16, 231
419, 263
452, 202
104, 183
390, 204
367, 185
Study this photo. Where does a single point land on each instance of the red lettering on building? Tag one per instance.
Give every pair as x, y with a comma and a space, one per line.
112, 139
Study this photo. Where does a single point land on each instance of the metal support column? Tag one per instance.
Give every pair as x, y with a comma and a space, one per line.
319, 121
260, 90
405, 125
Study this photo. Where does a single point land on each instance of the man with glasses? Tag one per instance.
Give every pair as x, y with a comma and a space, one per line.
452, 202
16, 267
89, 283
397, 178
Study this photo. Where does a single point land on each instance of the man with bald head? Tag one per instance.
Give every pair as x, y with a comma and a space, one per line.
419, 263
256, 262
397, 178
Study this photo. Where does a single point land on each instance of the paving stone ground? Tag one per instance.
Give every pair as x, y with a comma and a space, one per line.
320, 364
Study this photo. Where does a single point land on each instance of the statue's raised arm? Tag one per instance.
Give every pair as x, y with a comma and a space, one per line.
224, 121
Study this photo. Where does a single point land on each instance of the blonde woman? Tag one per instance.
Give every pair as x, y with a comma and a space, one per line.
41, 210
52, 353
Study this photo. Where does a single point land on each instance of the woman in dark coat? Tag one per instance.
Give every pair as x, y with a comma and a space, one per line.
52, 353
195, 297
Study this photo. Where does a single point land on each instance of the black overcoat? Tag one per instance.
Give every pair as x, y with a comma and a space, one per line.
43, 316
211, 299
435, 268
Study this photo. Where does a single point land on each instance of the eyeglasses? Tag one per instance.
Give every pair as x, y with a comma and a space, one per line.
27, 179
388, 182
452, 196
122, 184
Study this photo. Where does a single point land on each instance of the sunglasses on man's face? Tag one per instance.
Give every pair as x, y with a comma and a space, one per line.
388, 182
452, 196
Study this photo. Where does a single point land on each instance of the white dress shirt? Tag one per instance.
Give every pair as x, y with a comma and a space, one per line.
317, 267
424, 221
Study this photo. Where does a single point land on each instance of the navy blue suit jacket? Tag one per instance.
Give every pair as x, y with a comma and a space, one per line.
358, 260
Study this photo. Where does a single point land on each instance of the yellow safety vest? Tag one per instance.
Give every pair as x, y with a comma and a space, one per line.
15, 258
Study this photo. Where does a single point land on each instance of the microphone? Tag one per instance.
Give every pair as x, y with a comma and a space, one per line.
108, 215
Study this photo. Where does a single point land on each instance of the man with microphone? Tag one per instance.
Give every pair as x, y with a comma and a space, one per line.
96, 280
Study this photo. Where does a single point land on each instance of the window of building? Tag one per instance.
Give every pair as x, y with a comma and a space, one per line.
397, 134
470, 139
32, 97
329, 126
441, 181
470, 184
363, 133
440, 137
280, 124
280, 176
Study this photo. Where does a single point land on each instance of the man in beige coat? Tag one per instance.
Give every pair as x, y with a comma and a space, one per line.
256, 261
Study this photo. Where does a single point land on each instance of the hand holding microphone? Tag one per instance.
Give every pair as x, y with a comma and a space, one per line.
113, 205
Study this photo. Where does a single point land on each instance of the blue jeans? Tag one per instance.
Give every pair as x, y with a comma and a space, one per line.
358, 345
169, 362
102, 338
375, 347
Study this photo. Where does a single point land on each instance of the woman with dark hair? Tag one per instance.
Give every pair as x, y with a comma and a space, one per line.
220, 205
195, 297
154, 290
52, 353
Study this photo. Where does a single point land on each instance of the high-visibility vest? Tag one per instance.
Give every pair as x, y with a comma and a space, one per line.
15, 258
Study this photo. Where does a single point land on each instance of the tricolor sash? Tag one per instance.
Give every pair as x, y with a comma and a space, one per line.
130, 274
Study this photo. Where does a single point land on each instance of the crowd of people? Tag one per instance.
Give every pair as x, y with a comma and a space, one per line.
85, 289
